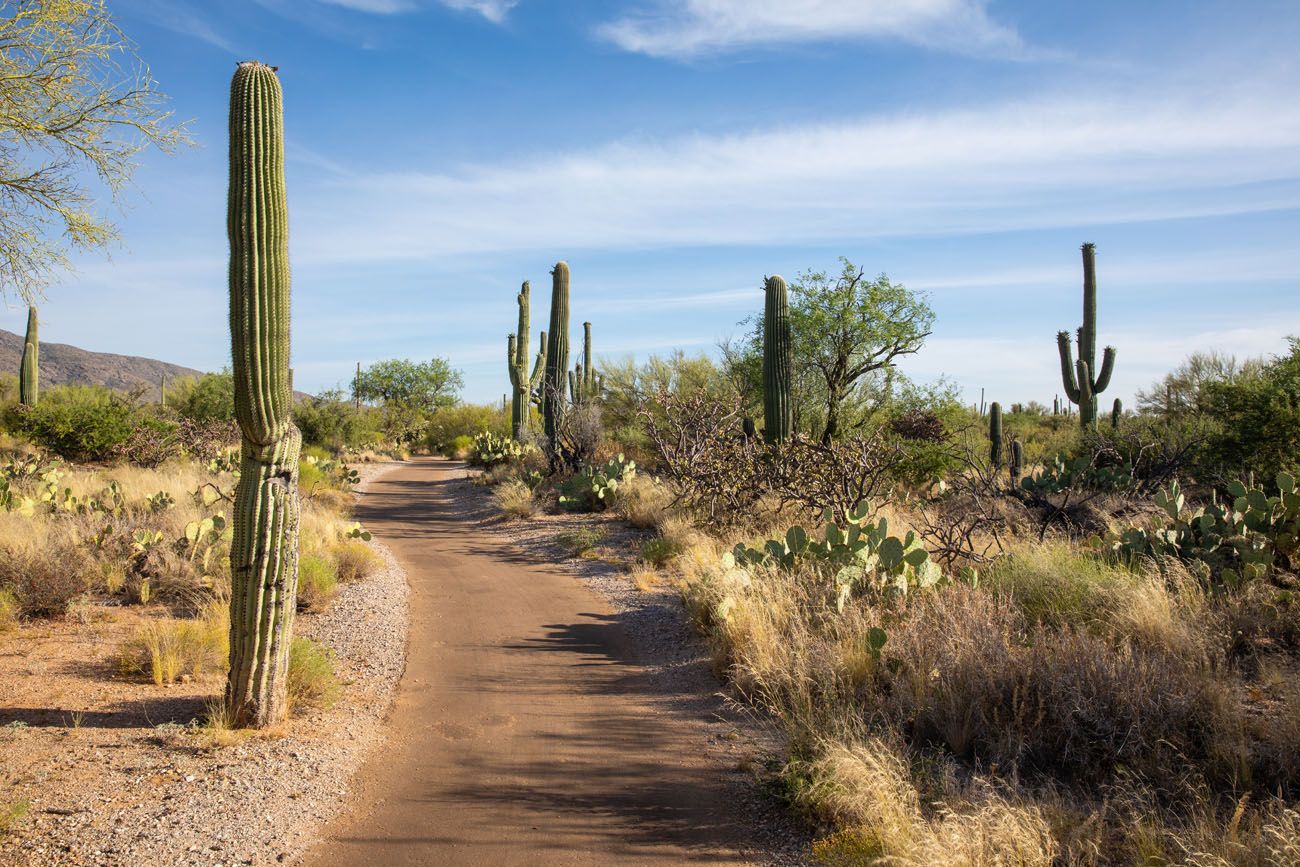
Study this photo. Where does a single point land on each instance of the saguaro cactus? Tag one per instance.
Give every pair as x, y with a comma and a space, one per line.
1116, 413
1017, 461
1082, 379
522, 385
557, 354
264, 550
778, 412
584, 384
29, 369
995, 434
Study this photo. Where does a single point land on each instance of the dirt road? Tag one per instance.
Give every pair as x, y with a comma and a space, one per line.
525, 731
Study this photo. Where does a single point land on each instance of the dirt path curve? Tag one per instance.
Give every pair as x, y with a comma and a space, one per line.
524, 731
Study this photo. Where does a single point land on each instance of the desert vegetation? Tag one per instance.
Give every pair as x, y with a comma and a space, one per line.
1026, 636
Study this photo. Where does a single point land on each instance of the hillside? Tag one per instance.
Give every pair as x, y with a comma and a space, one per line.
62, 364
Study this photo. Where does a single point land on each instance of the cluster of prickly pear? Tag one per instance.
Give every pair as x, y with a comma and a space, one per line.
995, 435
264, 549
1240, 540
584, 383
778, 409
1080, 473
29, 368
523, 386
1082, 379
488, 450
855, 551
593, 489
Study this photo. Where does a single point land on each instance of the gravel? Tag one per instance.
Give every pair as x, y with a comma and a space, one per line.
165, 796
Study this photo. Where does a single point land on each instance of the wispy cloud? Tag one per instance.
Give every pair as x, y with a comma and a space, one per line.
1019, 165
493, 10
689, 28
183, 19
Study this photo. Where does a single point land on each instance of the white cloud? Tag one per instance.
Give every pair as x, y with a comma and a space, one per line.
1021, 165
493, 10
688, 28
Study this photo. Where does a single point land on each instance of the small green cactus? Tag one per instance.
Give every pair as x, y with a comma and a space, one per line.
264, 548
584, 384
778, 411
1017, 463
1116, 413
29, 369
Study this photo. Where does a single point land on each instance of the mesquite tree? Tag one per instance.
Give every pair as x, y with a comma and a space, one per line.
264, 550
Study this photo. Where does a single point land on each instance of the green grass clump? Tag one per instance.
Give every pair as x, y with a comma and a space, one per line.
317, 582
12, 813
660, 551
578, 542
312, 681
9, 610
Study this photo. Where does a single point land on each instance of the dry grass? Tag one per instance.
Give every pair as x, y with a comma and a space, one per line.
643, 502
312, 682
169, 649
515, 499
317, 582
354, 560
9, 610
1059, 689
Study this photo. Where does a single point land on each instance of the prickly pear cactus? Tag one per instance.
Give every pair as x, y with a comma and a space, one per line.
30, 368
778, 411
264, 550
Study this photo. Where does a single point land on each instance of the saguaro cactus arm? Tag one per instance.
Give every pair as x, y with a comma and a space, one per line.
539, 366
1102, 382
1067, 366
995, 434
264, 548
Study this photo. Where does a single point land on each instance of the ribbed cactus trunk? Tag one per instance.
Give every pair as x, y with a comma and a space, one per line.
557, 355
995, 435
264, 550
1116, 413
521, 384
1017, 462
584, 384
778, 412
1082, 379
29, 369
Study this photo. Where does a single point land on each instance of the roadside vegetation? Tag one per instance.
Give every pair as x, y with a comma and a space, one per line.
990, 636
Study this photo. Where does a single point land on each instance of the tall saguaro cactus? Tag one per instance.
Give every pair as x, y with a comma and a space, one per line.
521, 383
29, 369
584, 384
1082, 379
264, 550
778, 411
995, 435
557, 354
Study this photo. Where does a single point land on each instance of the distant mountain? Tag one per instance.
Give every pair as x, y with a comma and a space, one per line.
62, 364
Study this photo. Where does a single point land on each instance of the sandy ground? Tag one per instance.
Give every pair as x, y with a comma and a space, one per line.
118, 771
542, 720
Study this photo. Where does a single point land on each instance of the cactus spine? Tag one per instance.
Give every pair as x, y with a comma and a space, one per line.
778, 414
1082, 379
522, 385
264, 550
29, 370
995, 435
557, 354
1116, 413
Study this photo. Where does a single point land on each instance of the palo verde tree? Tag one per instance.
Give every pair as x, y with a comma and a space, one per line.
848, 327
77, 105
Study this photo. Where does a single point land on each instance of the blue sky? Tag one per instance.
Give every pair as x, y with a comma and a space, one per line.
676, 151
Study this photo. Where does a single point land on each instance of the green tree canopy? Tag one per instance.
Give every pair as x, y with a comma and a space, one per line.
421, 386
76, 103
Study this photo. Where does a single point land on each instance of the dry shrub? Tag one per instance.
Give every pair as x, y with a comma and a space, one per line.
354, 560
643, 502
317, 582
515, 499
45, 574
9, 610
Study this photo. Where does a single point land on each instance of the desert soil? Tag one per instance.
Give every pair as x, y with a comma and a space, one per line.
544, 717
118, 771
